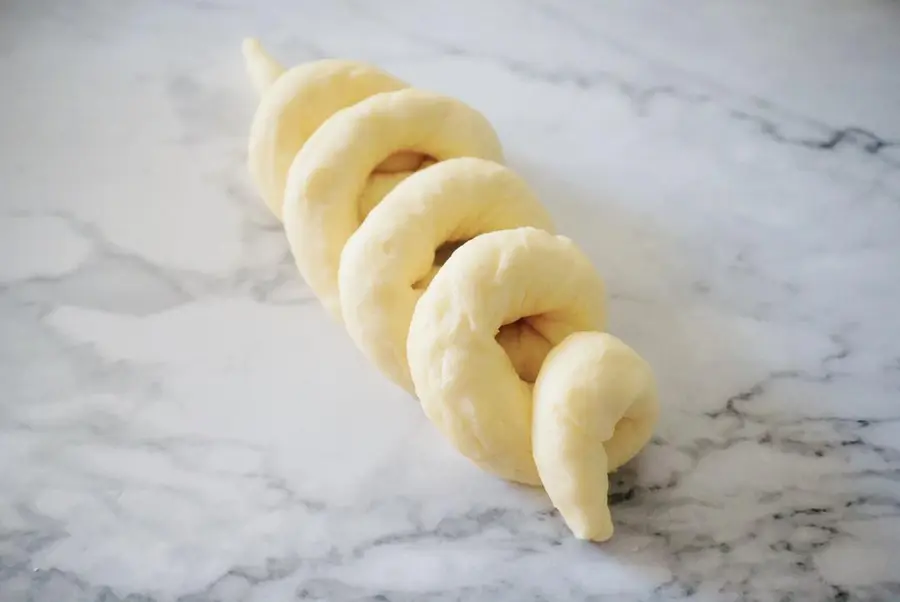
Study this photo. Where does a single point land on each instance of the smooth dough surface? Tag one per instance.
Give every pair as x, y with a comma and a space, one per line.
445, 270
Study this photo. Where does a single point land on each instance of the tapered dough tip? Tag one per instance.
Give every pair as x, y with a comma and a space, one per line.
249, 46
263, 69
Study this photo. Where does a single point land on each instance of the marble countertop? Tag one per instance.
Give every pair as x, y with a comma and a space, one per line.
180, 421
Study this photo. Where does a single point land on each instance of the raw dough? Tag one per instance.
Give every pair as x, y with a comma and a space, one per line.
501, 341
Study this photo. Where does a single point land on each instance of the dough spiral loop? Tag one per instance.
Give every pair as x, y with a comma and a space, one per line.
501, 341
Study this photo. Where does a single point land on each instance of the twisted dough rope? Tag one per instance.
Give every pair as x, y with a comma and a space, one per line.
502, 344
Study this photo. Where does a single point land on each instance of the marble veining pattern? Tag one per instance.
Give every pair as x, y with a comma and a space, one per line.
180, 421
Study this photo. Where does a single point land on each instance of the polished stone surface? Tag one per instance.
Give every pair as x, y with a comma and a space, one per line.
180, 421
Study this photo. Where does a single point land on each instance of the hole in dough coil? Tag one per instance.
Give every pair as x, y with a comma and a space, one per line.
502, 341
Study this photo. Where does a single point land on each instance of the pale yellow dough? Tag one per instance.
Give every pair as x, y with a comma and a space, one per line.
502, 343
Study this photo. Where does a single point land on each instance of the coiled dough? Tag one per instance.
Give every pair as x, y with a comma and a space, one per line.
447, 274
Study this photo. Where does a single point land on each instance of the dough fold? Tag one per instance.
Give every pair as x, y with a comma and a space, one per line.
446, 272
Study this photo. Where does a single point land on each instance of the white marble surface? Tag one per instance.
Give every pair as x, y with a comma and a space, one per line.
180, 421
